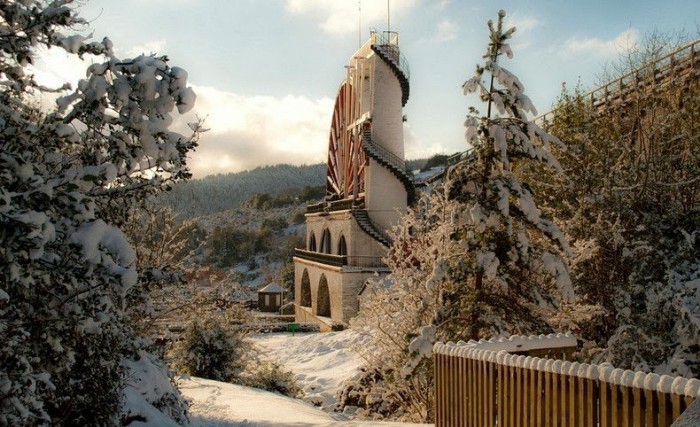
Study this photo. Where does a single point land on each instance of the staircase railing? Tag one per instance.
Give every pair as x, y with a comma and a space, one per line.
393, 162
389, 40
369, 226
390, 157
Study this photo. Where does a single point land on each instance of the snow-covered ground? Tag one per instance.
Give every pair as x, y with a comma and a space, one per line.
222, 404
217, 404
320, 362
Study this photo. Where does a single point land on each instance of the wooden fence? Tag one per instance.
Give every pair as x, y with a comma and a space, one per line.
484, 384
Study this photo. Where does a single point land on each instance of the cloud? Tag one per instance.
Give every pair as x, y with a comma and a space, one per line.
250, 131
446, 30
339, 17
157, 47
54, 67
246, 131
576, 46
442, 4
522, 24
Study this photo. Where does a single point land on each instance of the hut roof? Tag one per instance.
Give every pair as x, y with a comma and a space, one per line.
272, 288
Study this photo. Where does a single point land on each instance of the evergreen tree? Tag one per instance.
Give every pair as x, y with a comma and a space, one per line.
507, 267
473, 260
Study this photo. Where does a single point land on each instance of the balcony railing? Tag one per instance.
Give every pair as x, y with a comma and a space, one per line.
336, 205
350, 261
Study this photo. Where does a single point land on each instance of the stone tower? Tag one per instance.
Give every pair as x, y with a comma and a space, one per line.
367, 187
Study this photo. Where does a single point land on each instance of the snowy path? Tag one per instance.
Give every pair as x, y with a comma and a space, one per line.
321, 362
217, 404
223, 404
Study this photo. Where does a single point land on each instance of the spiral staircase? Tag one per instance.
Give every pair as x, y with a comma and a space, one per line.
386, 47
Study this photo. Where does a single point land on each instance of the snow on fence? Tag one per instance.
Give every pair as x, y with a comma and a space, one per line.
484, 384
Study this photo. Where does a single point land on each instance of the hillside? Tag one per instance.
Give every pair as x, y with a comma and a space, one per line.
217, 193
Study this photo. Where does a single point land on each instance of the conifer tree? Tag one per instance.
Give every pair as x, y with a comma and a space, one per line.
507, 271
474, 259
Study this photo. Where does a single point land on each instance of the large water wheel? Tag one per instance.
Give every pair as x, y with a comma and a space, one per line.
345, 176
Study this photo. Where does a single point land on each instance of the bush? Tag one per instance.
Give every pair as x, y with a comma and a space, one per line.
272, 377
210, 348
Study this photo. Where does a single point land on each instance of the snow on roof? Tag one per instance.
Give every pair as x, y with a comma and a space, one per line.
272, 288
428, 175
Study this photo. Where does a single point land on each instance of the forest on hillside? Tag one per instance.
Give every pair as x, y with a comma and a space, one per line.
217, 193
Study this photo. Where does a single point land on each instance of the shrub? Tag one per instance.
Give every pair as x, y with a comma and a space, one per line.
210, 348
272, 377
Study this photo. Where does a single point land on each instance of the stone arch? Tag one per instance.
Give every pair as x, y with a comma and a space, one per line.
305, 292
312, 243
342, 246
323, 298
325, 242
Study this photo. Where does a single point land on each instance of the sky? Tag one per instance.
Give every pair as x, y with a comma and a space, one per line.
266, 72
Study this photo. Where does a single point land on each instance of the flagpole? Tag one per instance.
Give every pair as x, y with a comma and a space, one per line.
388, 17
359, 24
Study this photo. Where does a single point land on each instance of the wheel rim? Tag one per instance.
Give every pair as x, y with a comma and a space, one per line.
346, 159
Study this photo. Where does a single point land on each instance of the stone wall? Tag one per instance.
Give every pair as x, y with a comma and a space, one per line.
342, 223
343, 287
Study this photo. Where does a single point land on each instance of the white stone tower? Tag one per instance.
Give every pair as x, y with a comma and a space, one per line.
367, 187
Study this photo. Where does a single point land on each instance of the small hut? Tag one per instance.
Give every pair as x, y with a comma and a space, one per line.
270, 298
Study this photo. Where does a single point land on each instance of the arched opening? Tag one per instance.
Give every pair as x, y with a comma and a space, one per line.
342, 246
323, 299
325, 242
305, 295
312, 242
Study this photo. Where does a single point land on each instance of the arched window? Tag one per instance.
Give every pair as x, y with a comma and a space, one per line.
325, 242
323, 298
312, 242
342, 246
305, 293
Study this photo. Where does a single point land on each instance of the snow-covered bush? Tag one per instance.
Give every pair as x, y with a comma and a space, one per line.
210, 348
367, 397
150, 394
631, 209
67, 178
271, 376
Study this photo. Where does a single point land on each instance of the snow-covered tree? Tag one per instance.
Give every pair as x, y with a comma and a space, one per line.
476, 258
395, 384
67, 178
507, 264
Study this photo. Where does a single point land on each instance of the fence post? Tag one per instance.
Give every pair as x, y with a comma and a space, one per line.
637, 408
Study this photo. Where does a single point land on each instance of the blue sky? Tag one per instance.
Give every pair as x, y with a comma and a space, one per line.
266, 71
